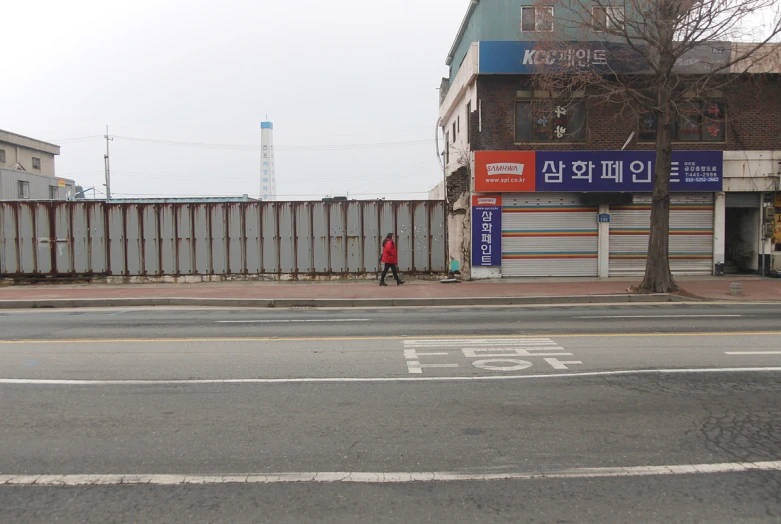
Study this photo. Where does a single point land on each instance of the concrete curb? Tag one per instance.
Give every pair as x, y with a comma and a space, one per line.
334, 302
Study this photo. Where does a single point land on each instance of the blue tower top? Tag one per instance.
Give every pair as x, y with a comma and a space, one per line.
266, 125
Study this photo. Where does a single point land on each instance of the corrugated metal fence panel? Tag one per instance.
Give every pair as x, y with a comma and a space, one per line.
371, 237
219, 242
337, 229
253, 251
287, 234
96, 213
81, 238
437, 222
321, 241
421, 235
404, 229
354, 237
745, 200
157, 239
303, 212
236, 243
150, 241
27, 240
202, 239
167, 228
64, 240
43, 238
270, 238
691, 235
185, 241
548, 235
116, 239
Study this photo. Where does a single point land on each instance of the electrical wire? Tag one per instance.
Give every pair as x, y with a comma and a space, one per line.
254, 147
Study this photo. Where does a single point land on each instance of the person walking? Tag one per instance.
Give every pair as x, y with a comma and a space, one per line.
390, 258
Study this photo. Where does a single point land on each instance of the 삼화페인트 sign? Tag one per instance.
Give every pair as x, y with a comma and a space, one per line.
486, 230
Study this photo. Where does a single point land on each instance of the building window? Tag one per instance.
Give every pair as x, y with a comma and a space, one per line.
24, 190
550, 121
54, 192
696, 121
539, 19
454, 132
447, 148
2, 156
459, 123
607, 18
468, 116
37, 163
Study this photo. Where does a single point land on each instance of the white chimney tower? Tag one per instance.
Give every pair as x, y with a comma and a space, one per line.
268, 177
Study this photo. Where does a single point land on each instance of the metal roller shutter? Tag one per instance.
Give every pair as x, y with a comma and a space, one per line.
548, 235
746, 200
691, 235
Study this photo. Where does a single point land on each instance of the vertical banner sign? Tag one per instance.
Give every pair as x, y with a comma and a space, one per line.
486, 231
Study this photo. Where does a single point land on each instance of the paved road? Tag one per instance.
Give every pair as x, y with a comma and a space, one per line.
678, 421
221, 323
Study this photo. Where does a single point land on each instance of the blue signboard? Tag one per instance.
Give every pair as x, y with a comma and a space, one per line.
603, 218
486, 231
626, 171
513, 57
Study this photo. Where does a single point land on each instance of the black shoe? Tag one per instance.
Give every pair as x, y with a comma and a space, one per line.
399, 282
382, 283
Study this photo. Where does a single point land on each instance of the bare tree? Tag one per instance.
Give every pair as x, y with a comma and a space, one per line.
652, 65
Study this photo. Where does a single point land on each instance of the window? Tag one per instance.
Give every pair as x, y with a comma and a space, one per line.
447, 148
549, 121
607, 18
24, 190
696, 121
454, 132
54, 192
468, 116
459, 123
37, 163
2, 156
538, 19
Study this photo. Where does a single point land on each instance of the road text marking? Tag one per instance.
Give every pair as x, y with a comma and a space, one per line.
364, 477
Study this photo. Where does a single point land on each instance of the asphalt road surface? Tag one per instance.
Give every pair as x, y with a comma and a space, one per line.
631, 413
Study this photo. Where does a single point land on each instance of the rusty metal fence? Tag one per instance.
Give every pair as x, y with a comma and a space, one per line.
96, 238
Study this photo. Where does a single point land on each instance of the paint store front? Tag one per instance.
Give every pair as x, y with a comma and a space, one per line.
587, 213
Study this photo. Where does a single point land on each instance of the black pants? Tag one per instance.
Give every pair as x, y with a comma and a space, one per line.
393, 268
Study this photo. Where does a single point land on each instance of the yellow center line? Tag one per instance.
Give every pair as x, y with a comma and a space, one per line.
393, 337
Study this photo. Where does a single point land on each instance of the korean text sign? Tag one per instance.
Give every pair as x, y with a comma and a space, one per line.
594, 171
486, 231
626, 171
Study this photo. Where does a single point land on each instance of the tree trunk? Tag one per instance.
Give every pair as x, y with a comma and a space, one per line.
658, 277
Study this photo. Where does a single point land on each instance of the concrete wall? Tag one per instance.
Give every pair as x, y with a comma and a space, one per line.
281, 239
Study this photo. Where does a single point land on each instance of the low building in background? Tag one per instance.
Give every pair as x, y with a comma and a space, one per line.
22, 185
23, 153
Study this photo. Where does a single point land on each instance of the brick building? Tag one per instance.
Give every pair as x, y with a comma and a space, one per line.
594, 222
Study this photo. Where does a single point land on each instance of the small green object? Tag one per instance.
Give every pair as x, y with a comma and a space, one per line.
454, 265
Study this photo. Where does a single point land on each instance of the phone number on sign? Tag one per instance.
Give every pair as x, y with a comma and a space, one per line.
702, 179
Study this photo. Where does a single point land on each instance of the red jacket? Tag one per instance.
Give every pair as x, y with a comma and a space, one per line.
389, 255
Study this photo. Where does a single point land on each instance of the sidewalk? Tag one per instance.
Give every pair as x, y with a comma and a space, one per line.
368, 293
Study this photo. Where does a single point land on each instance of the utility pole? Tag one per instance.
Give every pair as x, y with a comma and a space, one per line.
108, 169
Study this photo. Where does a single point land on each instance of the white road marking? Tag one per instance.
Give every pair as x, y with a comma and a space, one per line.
558, 364
335, 380
415, 367
493, 352
752, 352
470, 342
411, 354
283, 321
365, 477
662, 316
492, 364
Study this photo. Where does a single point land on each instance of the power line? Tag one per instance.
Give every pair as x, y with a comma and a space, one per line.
253, 147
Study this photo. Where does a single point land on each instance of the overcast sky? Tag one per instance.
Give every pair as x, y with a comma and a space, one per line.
347, 73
